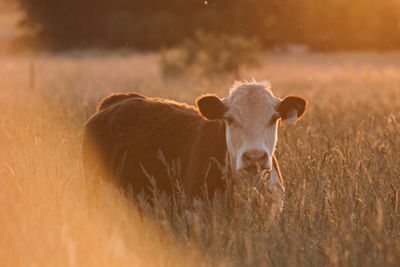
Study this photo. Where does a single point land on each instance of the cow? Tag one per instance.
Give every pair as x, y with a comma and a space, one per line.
131, 137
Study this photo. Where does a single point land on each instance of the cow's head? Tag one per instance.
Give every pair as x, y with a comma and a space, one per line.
251, 113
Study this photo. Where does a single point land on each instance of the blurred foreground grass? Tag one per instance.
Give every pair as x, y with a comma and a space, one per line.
341, 165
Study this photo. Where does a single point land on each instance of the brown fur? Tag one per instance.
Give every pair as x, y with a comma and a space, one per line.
128, 131
210, 107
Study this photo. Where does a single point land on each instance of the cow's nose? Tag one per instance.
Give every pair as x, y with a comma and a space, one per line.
253, 158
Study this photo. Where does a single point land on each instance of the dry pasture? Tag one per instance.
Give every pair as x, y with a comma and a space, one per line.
341, 164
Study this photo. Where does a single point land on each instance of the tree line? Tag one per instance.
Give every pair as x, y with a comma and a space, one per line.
155, 24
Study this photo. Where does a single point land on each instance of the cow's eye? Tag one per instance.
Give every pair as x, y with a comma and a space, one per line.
274, 118
230, 120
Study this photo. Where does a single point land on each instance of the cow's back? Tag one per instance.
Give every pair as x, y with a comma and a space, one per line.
116, 98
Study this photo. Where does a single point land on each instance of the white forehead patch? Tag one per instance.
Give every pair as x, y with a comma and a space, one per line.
251, 94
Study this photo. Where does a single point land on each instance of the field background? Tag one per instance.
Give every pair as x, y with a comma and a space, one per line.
341, 165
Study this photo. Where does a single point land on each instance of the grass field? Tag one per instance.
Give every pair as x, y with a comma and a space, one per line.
341, 164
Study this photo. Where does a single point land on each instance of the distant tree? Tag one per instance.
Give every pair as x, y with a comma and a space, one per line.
152, 24
209, 55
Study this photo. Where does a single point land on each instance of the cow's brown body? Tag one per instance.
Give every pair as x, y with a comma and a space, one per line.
131, 138
126, 135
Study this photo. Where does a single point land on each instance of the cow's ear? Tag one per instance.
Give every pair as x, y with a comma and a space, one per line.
292, 108
210, 107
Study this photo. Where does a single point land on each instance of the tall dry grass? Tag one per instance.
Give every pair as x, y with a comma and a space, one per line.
341, 165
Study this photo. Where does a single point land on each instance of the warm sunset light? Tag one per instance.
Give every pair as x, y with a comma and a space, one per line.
199, 133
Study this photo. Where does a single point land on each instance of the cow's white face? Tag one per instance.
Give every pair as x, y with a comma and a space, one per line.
251, 127
251, 113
